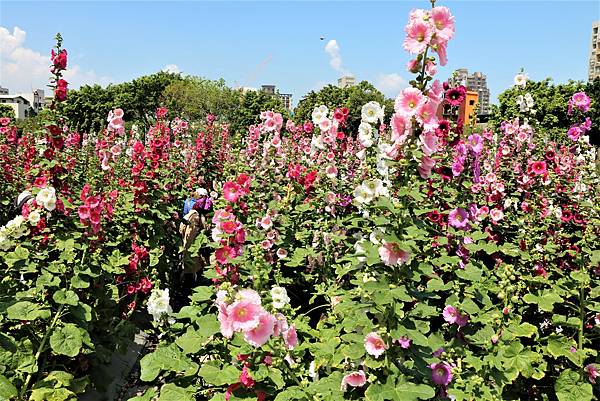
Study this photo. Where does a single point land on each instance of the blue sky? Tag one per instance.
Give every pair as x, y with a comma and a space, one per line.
252, 43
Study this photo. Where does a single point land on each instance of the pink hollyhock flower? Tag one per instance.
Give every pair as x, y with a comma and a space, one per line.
413, 66
430, 68
404, 342
441, 374
475, 143
409, 101
539, 167
450, 314
440, 48
459, 218
354, 379
462, 320
231, 191
443, 22
418, 37
374, 344
592, 372
249, 295
260, 334
244, 315
281, 324
425, 166
400, 128
331, 171
245, 377
266, 222
426, 115
496, 214
225, 322
391, 254
290, 337
429, 143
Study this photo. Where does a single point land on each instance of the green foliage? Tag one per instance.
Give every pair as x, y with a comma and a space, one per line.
6, 111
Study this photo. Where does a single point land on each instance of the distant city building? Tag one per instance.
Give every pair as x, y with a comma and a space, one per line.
24, 104
594, 62
346, 81
286, 98
18, 103
476, 82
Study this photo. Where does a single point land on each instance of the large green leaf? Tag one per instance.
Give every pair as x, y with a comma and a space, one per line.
7, 389
168, 358
213, 373
26, 310
401, 391
66, 297
67, 340
570, 387
172, 392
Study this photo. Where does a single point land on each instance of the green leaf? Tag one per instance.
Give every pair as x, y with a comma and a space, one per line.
147, 396
172, 392
192, 340
168, 358
202, 294
15, 256
291, 393
26, 310
66, 340
523, 330
570, 387
67, 297
401, 391
7, 389
213, 373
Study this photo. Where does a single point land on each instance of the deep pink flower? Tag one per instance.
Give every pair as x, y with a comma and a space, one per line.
374, 344
260, 334
475, 143
404, 342
441, 374
574, 132
231, 191
354, 379
455, 96
581, 101
538, 167
592, 372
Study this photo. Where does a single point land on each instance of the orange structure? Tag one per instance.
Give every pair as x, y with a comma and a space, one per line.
467, 109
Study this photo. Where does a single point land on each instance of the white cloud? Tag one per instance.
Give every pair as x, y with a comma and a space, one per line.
23, 69
335, 56
390, 84
172, 68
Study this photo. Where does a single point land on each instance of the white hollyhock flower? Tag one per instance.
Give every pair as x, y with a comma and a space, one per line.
158, 303
372, 112
362, 194
280, 297
34, 217
520, 79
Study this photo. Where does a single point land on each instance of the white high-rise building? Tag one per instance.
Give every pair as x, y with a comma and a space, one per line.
476, 82
594, 61
346, 81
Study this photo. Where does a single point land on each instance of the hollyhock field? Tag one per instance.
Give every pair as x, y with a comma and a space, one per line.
418, 258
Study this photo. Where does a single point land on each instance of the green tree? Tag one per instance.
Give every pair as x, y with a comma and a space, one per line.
252, 103
551, 103
194, 97
353, 97
6, 111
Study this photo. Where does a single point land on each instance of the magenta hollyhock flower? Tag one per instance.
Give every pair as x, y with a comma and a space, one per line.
441, 373
354, 379
462, 320
475, 143
574, 132
592, 372
408, 101
581, 101
391, 254
374, 344
260, 334
418, 36
455, 96
450, 314
244, 315
459, 218
245, 377
538, 167
231, 191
